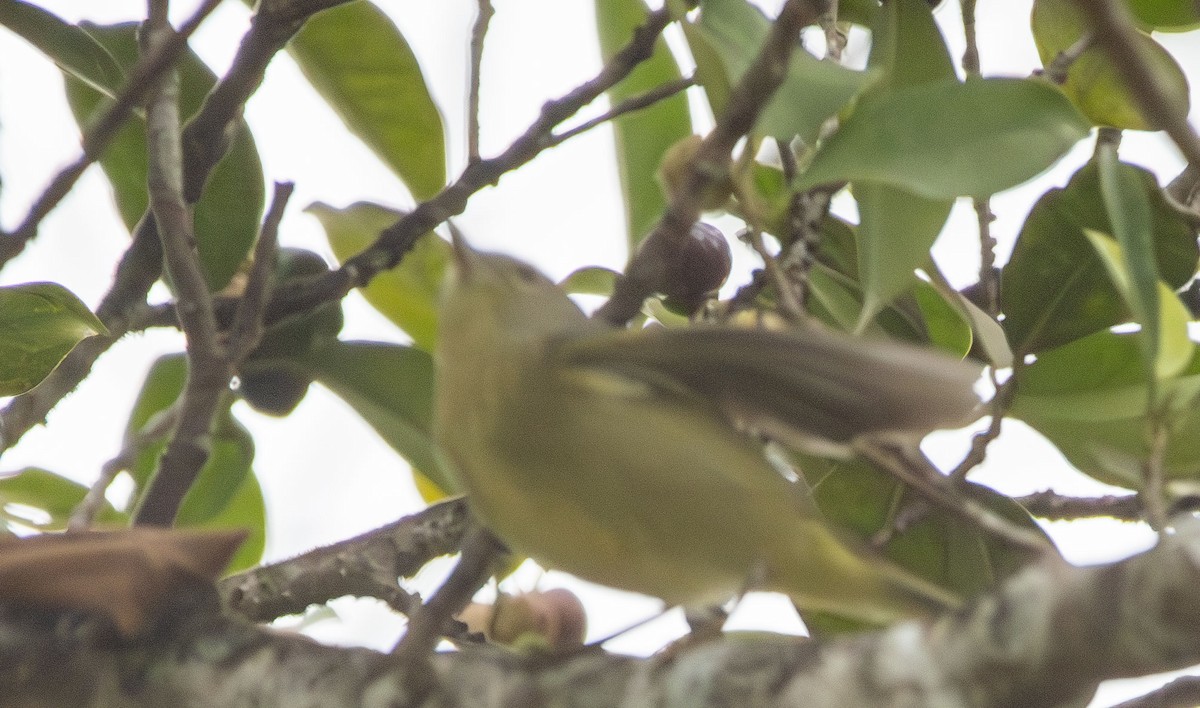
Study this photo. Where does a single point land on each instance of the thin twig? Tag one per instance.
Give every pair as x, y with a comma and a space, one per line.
208, 371
835, 38
1061, 64
789, 306
1153, 493
913, 469
142, 77
997, 408
970, 57
988, 282
478, 33
710, 163
1159, 105
248, 322
629, 105
1055, 507
480, 550
155, 429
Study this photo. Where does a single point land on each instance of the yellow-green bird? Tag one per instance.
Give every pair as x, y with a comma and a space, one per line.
617, 455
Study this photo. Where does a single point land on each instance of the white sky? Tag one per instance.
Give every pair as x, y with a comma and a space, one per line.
326, 475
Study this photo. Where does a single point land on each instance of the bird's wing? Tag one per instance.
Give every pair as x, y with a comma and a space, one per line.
796, 385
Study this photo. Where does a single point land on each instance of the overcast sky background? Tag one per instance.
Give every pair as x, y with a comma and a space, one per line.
325, 474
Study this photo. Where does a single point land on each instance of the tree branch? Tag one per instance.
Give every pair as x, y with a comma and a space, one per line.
208, 368
363, 566
1055, 507
1045, 637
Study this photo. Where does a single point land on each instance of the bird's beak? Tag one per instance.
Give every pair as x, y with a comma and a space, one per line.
465, 257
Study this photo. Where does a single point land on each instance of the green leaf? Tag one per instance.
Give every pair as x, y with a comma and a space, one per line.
50, 493
408, 294
813, 91
1054, 288
908, 46
836, 299
710, 68
941, 547
1166, 15
391, 387
224, 475
1090, 397
1132, 265
947, 326
40, 323
986, 331
644, 136
1166, 348
930, 139
897, 230
244, 508
227, 216
356, 58
860, 12
72, 49
590, 280
1094, 83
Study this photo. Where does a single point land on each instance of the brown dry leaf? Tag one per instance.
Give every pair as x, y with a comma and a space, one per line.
124, 575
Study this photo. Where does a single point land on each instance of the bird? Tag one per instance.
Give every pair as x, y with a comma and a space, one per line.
625, 457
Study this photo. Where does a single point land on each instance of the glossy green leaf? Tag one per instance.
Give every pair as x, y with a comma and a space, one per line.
408, 294
931, 139
72, 49
1166, 15
941, 547
644, 136
40, 323
52, 494
896, 231
1166, 348
813, 90
1094, 82
356, 58
1089, 398
391, 387
224, 475
1054, 288
227, 216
